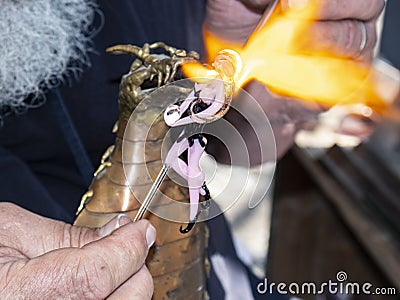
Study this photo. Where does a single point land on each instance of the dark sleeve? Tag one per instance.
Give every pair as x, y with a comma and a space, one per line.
20, 186
390, 47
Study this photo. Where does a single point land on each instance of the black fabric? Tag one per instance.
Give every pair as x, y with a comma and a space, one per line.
72, 137
390, 45
24, 188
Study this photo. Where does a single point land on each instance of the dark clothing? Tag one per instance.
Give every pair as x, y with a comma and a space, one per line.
390, 45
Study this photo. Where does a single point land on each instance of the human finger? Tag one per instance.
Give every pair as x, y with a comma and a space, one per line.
8, 254
231, 20
139, 286
27, 232
341, 9
257, 4
34, 235
347, 38
91, 272
123, 252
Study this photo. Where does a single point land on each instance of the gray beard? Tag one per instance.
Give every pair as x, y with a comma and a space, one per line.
42, 42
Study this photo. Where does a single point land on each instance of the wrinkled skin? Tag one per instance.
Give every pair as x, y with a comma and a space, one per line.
46, 259
336, 29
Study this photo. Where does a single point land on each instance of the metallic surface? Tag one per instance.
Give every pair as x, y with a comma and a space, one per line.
177, 261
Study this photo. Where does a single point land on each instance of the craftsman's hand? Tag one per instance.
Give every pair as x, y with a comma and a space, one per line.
347, 27
46, 259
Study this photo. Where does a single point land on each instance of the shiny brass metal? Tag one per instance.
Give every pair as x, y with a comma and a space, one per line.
177, 261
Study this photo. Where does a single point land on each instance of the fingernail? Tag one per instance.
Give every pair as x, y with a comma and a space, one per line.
297, 4
114, 224
123, 219
150, 235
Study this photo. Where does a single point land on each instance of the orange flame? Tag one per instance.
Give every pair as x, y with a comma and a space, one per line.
273, 57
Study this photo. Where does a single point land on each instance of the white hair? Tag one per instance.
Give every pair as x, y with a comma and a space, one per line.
41, 41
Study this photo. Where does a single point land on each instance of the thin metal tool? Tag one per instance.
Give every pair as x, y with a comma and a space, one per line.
152, 192
268, 12
271, 8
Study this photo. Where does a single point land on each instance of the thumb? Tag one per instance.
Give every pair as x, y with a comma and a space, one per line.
231, 20
261, 4
122, 253
93, 271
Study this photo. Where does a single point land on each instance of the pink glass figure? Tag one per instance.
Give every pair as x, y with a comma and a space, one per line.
207, 103
201, 106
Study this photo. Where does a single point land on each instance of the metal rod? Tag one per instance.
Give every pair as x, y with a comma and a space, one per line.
152, 192
271, 8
